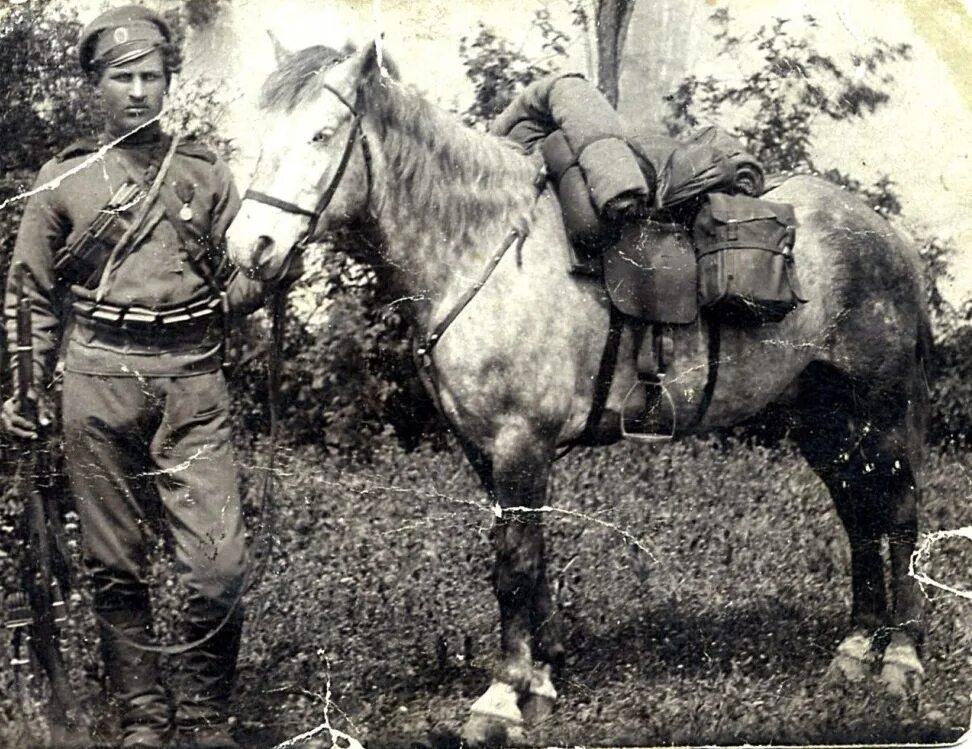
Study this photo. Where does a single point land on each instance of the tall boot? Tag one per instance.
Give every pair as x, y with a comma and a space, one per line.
207, 673
133, 676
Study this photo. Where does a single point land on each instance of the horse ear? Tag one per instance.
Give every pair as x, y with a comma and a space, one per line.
279, 51
371, 62
377, 61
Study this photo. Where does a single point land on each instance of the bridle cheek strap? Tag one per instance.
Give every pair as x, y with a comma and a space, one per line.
328, 195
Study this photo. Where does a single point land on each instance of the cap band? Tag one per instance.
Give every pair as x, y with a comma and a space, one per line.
127, 43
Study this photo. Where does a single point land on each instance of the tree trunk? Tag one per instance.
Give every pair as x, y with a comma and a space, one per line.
612, 21
668, 39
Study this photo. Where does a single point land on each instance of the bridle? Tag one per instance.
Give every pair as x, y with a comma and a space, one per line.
328, 194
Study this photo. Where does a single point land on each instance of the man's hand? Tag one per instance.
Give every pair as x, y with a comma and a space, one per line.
18, 424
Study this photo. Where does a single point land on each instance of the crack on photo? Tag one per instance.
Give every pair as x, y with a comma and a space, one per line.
622, 391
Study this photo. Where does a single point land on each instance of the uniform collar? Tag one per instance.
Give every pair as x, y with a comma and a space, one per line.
148, 136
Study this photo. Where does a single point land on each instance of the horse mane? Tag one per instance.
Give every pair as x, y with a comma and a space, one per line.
299, 78
451, 179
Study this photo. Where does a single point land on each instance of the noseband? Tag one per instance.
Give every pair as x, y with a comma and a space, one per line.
325, 199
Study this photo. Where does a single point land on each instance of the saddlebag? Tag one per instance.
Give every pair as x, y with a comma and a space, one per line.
650, 273
744, 248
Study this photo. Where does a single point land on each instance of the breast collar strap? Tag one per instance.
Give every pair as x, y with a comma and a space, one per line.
423, 349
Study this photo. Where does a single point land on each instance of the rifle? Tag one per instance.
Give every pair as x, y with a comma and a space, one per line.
45, 568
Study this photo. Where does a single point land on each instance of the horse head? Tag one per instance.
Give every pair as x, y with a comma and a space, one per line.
313, 172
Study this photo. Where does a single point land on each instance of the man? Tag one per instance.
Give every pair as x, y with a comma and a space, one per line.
121, 244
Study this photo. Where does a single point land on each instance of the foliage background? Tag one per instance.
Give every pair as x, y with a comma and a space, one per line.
377, 580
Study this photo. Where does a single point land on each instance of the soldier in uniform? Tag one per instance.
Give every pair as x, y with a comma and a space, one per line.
121, 246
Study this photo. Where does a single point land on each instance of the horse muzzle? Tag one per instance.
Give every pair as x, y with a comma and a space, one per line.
275, 267
264, 263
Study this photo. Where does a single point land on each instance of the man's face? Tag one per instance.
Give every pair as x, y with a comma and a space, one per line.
133, 93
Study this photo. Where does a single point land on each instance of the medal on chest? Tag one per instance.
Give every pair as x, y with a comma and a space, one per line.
185, 191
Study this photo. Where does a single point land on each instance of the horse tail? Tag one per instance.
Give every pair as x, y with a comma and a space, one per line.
919, 406
924, 344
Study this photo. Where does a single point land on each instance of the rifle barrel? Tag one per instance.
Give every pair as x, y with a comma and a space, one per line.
25, 345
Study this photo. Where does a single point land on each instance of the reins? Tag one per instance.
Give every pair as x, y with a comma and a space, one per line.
278, 319
278, 315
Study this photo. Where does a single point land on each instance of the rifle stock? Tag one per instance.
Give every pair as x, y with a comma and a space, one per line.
43, 557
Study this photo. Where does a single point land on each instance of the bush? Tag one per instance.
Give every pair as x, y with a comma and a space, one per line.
498, 70
349, 376
950, 370
775, 105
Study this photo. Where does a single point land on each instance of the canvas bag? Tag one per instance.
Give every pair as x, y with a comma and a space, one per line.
744, 248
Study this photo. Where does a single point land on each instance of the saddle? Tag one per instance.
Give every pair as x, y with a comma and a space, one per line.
707, 246
673, 228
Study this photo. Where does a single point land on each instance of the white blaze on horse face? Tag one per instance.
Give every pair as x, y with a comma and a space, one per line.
299, 156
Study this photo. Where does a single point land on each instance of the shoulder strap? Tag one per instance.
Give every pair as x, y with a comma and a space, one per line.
197, 150
124, 246
78, 148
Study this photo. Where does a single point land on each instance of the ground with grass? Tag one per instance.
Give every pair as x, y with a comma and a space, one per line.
703, 590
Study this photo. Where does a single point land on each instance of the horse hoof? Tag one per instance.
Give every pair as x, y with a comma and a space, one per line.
495, 718
902, 673
853, 661
537, 708
482, 731
846, 668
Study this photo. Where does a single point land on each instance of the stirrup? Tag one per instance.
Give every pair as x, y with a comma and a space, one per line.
665, 398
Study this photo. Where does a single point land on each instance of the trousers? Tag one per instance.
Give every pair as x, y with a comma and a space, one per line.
143, 450
146, 453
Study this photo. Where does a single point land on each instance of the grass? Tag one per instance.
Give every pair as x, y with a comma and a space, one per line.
702, 591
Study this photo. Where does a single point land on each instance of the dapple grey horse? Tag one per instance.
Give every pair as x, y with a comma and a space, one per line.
513, 371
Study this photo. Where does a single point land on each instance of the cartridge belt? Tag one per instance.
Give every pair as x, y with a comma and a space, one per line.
138, 316
194, 324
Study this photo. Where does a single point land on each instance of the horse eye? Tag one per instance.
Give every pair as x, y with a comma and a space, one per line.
322, 136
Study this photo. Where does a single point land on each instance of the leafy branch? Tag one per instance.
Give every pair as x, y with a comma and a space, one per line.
780, 100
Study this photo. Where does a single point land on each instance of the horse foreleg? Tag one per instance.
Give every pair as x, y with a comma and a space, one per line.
522, 689
548, 638
526, 610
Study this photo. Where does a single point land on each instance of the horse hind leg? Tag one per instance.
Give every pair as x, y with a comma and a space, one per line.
867, 459
522, 690
902, 672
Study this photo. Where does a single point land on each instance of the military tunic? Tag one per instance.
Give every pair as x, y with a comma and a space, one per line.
157, 274
145, 410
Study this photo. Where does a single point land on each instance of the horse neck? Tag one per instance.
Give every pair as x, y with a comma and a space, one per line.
445, 197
